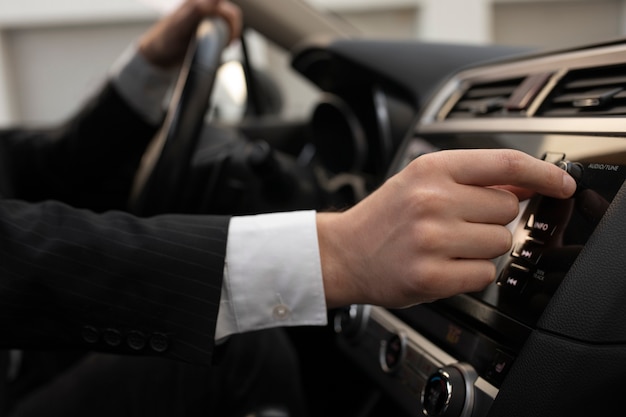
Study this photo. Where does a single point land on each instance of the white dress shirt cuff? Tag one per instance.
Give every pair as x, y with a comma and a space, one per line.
143, 85
272, 275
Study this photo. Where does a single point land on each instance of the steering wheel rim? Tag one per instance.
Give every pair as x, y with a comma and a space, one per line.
164, 165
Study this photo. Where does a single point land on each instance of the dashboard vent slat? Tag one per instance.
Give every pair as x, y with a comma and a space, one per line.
591, 92
484, 99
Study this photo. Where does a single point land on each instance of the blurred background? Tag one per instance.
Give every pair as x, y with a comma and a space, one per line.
54, 53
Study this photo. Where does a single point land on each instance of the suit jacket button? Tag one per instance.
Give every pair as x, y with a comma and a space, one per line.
90, 334
136, 340
112, 337
159, 342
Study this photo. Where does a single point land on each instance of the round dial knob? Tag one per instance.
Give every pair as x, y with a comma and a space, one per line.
445, 392
352, 320
575, 169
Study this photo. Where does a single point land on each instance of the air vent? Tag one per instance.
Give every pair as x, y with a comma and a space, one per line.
592, 92
484, 100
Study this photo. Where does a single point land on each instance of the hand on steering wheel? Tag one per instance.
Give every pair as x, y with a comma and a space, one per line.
165, 163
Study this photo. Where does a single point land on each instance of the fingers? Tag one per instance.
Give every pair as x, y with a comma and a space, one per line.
166, 42
462, 240
485, 205
521, 193
228, 11
462, 276
432, 230
508, 167
231, 13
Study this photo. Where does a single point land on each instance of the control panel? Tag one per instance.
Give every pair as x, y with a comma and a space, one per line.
427, 379
549, 237
450, 357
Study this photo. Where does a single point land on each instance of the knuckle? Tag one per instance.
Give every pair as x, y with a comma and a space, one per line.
428, 236
425, 163
431, 277
512, 162
429, 200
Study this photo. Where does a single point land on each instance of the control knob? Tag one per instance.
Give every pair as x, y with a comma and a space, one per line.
575, 169
351, 321
449, 391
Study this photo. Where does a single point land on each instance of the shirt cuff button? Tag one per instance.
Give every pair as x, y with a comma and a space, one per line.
281, 312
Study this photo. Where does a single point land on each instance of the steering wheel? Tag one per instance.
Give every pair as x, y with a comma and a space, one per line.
163, 167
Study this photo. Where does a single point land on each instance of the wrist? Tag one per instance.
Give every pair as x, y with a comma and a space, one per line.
337, 276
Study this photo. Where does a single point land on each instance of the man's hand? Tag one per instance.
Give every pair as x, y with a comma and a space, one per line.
431, 230
166, 42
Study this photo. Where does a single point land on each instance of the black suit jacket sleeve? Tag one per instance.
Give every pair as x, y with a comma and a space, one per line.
75, 272
88, 161
72, 278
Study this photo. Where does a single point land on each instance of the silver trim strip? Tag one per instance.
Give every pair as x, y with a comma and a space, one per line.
414, 339
571, 125
486, 387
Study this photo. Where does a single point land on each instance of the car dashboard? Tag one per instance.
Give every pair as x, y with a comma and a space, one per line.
548, 337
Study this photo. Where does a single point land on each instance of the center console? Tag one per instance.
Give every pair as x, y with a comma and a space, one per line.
452, 357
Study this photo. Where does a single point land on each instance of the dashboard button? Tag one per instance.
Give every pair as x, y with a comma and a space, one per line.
514, 278
392, 353
529, 251
541, 227
499, 367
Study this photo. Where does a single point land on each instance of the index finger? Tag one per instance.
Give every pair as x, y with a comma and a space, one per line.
489, 167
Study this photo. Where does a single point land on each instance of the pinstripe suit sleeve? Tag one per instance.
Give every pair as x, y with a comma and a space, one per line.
113, 282
87, 161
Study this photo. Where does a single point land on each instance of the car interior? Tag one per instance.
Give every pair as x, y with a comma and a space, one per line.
548, 337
